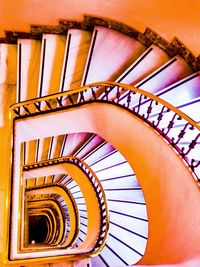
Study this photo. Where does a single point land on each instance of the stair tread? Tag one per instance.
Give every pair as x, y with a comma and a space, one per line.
153, 58
187, 89
76, 51
51, 63
169, 73
29, 51
109, 46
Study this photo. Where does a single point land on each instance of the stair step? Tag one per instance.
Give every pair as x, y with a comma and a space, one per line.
125, 182
48, 179
40, 181
103, 150
128, 254
42, 149
171, 72
127, 236
153, 58
55, 146
111, 257
113, 158
125, 195
76, 51
73, 142
191, 108
28, 68
99, 261
140, 227
122, 168
31, 182
109, 46
136, 210
187, 89
94, 142
51, 63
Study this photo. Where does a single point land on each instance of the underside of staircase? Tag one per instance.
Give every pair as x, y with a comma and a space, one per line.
101, 123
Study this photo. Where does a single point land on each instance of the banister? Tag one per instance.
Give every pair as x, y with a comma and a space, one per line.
68, 99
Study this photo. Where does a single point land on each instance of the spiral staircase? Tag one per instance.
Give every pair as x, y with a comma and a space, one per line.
96, 109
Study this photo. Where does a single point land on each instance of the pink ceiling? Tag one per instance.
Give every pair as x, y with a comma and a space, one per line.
169, 18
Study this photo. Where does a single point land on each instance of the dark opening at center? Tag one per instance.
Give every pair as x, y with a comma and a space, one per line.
38, 229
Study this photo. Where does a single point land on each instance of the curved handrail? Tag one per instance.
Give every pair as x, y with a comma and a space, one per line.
123, 97
103, 206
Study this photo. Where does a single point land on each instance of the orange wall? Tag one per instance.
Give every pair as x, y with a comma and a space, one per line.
171, 194
169, 18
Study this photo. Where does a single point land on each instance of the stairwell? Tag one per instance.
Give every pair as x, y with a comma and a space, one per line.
124, 150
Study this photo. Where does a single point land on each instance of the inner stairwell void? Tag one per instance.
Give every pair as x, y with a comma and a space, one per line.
104, 140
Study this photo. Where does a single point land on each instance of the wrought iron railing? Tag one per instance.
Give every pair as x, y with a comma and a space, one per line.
180, 131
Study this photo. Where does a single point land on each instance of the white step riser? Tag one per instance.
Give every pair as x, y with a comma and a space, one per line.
51, 62
76, 50
28, 69
109, 47
149, 61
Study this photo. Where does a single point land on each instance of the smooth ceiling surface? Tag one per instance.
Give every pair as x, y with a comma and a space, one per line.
169, 18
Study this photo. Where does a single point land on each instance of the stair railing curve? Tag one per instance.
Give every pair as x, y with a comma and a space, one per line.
114, 93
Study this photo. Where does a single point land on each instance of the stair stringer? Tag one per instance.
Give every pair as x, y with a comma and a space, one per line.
170, 191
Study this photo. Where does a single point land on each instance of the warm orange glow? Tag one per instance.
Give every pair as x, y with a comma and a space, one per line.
170, 191
168, 18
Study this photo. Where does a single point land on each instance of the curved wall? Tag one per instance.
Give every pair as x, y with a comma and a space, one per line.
171, 194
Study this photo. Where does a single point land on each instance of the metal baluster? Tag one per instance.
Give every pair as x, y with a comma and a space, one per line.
27, 110
71, 100
93, 93
139, 103
180, 135
82, 99
149, 110
106, 92
118, 94
195, 164
129, 99
170, 125
160, 115
38, 106
59, 100
191, 146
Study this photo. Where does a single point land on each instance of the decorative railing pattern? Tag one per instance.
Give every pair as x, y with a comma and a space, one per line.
104, 223
177, 128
